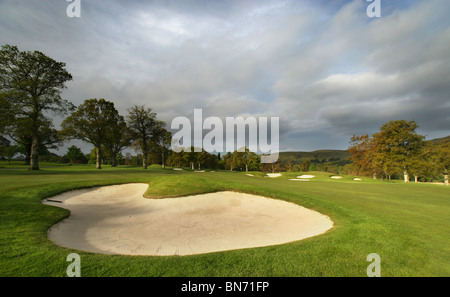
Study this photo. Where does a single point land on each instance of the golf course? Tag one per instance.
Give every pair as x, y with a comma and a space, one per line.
406, 224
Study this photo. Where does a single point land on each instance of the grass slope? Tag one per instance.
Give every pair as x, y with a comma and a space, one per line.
406, 224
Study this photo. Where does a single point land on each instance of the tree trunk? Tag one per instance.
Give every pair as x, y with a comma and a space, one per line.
113, 160
163, 165
34, 161
98, 161
406, 176
374, 176
416, 178
246, 168
144, 153
446, 178
192, 165
27, 155
144, 162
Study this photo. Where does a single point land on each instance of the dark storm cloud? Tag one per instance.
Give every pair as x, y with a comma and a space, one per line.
323, 67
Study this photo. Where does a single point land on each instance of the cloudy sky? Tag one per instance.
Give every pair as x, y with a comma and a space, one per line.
325, 68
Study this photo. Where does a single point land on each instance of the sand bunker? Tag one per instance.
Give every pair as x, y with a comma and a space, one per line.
273, 174
336, 177
118, 220
305, 176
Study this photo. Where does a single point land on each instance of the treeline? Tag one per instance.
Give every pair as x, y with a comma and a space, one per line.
236, 161
332, 165
31, 84
240, 160
397, 150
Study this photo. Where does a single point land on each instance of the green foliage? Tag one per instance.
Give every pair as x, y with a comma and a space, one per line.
30, 86
75, 154
316, 156
398, 143
441, 158
396, 149
96, 121
143, 128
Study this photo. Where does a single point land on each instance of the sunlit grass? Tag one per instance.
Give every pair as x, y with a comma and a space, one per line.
406, 224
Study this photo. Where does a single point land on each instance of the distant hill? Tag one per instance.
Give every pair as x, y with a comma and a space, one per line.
437, 140
328, 155
320, 155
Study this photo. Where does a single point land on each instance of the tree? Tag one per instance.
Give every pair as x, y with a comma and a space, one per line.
237, 160
21, 132
191, 157
228, 161
120, 159
305, 166
399, 141
162, 141
441, 159
117, 138
74, 153
7, 150
92, 122
7, 116
250, 160
362, 153
421, 164
32, 84
143, 128
176, 159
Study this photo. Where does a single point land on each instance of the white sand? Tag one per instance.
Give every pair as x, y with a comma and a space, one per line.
178, 169
299, 179
273, 174
357, 178
249, 174
306, 176
336, 177
118, 220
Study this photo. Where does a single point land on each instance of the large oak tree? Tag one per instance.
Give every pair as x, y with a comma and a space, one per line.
143, 128
399, 141
93, 122
30, 86
441, 159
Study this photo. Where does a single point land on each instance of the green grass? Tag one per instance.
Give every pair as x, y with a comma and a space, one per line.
406, 224
21, 164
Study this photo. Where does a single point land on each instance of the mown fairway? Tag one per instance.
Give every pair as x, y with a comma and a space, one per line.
406, 224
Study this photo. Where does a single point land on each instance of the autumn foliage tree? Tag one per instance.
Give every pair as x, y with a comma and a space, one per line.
398, 143
395, 147
441, 159
363, 152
